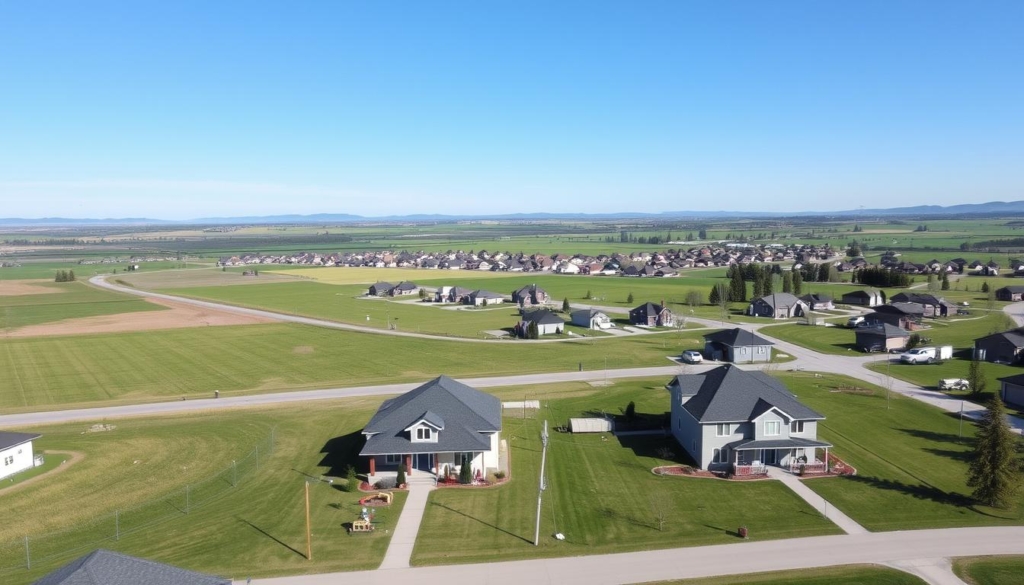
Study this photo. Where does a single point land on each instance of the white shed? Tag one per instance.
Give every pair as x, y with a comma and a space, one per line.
591, 425
16, 453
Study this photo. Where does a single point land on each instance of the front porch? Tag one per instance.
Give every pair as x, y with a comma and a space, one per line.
425, 465
798, 456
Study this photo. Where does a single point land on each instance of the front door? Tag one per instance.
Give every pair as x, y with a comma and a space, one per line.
422, 462
771, 457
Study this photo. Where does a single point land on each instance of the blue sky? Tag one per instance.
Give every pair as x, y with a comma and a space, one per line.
192, 109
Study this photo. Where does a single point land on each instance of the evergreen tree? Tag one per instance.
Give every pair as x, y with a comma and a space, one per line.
702, 234
465, 471
565, 305
787, 282
629, 299
713, 297
400, 477
737, 287
994, 471
758, 285
533, 332
984, 287
945, 281
975, 378
798, 282
589, 296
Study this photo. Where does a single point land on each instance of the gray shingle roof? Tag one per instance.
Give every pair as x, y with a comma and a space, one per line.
8, 440
542, 317
103, 567
779, 444
464, 412
883, 330
1014, 336
729, 394
737, 337
1016, 380
486, 294
776, 300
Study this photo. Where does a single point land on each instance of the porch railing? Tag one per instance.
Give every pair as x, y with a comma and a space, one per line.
810, 467
743, 470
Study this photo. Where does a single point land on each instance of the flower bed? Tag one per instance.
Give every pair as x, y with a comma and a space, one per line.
836, 467
682, 470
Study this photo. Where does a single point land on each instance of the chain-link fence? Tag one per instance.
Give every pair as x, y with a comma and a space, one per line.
67, 544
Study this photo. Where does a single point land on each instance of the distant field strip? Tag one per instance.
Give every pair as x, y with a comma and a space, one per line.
364, 275
66, 301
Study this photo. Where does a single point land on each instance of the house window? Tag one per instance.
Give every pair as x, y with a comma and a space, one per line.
423, 434
796, 427
717, 456
771, 428
760, 350
392, 459
722, 430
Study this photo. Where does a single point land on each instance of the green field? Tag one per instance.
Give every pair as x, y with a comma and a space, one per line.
996, 570
47, 269
253, 529
73, 300
911, 465
47, 372
842, 575
602, 495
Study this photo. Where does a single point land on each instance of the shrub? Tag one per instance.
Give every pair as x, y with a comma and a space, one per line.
465, 471
387, 483
499, 475
914, 341
629, 299
351, 479
400, 478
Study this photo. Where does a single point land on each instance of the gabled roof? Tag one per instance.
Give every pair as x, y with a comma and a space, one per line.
1014, 336
776, 300
8, 440
103, 567
647, 309
464, 412
901, 309
486, 294
542, 317
883, 329
816, 298
586, 313
736, 337
1016, 380
382, 285
729, 394
1013, 289
862, 292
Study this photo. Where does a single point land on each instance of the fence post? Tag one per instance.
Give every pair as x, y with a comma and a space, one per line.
28, 556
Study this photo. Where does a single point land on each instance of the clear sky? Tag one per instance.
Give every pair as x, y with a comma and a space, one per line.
193, 109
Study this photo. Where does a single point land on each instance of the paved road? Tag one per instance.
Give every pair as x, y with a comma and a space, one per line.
700, 562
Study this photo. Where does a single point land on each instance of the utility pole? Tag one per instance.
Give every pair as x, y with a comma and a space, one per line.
543, 485
309, 537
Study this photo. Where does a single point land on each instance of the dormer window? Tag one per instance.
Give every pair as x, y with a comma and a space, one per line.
423, 434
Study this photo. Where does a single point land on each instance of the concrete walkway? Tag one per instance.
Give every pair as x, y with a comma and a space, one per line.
408, 526
700, 562
817, 502
934, 571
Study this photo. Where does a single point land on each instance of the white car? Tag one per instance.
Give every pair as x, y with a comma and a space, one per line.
920, 355
692, 356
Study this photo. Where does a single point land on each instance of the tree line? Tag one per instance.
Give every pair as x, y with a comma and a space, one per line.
64, 276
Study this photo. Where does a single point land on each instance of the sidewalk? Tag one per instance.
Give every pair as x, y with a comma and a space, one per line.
933, 571
817, 502
400, 549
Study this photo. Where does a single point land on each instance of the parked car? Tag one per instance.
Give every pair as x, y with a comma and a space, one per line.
692, 356
954, 384
962, 312
918, 355
855, 321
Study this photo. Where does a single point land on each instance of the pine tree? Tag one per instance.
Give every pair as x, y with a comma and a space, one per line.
400, 477
994, 470
588, 297
71, 276
713, 297
758, 285
798, 282
737, 287
465, 471
565, 305
787, 282
629, 299
984, 287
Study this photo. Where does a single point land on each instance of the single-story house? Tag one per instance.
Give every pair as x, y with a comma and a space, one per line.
905, 315
104, 567
547, 323
777, 306
881, 337
1005, 347
451, 294
404, 288
739, 421
432, 427
738, 346
483, 297
16, 453
1010, 293
591, 319
1011, 391
651, 315
529, 296
933, 306
818, 302
866, 297
380, 289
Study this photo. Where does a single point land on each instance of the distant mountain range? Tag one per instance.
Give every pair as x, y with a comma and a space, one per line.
975, 209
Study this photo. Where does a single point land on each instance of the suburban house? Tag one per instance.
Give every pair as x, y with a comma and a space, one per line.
933, 306
777, 306
651, 315
1011, 391
451, 294
547, 323
104, 567
737, 346
434, 426
1010, 293
818, 302
1005, 347
738, 422
16, 453
904, 315
404, 288
591, 319
866, 297
881, 337
529, 296
483, 297
380, 289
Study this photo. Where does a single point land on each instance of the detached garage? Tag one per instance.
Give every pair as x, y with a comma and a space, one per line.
1011, 390
16, 453
590, 425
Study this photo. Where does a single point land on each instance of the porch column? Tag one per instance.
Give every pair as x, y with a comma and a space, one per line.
373, 465
826, 459
437, 466
408, 464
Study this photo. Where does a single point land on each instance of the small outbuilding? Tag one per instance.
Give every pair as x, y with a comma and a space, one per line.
591, 425
882, 337
16, 453
866, 297
591, 319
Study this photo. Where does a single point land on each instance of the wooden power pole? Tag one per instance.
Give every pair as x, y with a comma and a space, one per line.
309, 538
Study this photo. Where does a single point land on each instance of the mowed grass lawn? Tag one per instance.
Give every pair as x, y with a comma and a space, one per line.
602, 495
47, 372
997, 570
70, 300
842, 575
911, 465
254, 529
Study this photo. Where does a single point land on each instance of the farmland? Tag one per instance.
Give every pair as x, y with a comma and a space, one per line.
65, 300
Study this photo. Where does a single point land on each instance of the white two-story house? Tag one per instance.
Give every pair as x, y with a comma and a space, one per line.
738, 422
